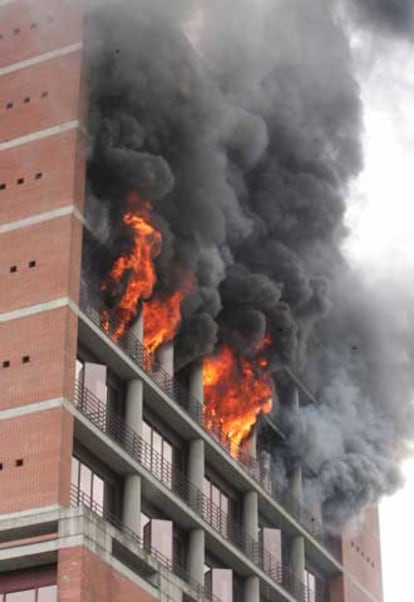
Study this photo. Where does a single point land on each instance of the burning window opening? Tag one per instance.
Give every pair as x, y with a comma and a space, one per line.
236, 391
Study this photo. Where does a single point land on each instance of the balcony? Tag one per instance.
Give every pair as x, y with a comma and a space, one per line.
163, 471
136, 351
80, 499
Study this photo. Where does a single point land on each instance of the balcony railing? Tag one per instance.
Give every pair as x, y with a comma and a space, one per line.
112, 425
135, 349
80, 499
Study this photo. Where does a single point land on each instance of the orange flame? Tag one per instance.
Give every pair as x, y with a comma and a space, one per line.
236, 391
161, 319
136, 268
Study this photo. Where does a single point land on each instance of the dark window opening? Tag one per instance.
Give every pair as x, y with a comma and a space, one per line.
9, 105
20, 181
3, 186
26, 359
32, 264
6, 364
13, 269
19, 462
39, 175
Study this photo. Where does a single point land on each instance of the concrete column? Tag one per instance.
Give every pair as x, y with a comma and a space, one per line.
132, 488
251, 590
195, 469
196, 384
196, 555
295, 483
297, 557
134, 405
251, 514
295, 479
132, 503
251, 444
297, 547
137, 327
165, 357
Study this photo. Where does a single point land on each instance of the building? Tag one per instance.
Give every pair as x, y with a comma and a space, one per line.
111, 487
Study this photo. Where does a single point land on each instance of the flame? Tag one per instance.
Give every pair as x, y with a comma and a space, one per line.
133, 275
236, 391
161, 319
162, 315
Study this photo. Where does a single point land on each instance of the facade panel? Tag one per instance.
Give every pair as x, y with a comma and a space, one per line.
29, 28
43, 175
40, 96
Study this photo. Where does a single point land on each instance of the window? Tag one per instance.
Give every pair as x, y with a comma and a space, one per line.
32, 585
216, 512
310, 584
91, 489
158, 454
38, 594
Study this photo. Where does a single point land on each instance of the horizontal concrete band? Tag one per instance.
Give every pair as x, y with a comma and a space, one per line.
52, 131
41, 58
32, 310
42, 217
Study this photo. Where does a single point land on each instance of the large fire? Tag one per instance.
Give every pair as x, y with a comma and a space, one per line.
161, 319
132, 279
133, 275
236, 391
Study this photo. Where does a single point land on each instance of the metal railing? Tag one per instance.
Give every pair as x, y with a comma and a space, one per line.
176, 391
112, 425
80, 499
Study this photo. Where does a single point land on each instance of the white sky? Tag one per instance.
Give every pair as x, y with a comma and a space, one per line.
381, 217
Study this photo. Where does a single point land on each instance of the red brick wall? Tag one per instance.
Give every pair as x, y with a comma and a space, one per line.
48, 340
42, 443
53, 170
40, 96
83, 577
38, 352
361, 554
32, 27
40, 263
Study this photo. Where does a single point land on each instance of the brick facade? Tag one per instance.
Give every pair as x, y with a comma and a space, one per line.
83, 576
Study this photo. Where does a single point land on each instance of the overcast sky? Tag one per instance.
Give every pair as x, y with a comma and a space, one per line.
381, 218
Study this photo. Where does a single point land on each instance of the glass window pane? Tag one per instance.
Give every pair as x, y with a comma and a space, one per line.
167, 452
26, 596
215, 495
224, 503
98, 490
47, 594
207, 488
75, 472
85, 480
78, 371
146, 432
157, 442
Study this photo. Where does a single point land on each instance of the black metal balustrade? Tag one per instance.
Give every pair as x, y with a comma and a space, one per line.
135, 349
112, 425
80, 499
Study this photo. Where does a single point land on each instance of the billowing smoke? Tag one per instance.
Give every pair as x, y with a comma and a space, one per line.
243, 131
390, 16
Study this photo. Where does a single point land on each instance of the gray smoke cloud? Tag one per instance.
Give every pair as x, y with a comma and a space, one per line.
395, 17
246, 143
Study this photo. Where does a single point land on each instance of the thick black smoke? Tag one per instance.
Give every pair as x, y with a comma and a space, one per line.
245, 141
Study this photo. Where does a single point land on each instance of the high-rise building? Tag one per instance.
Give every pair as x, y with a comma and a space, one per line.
112, 487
